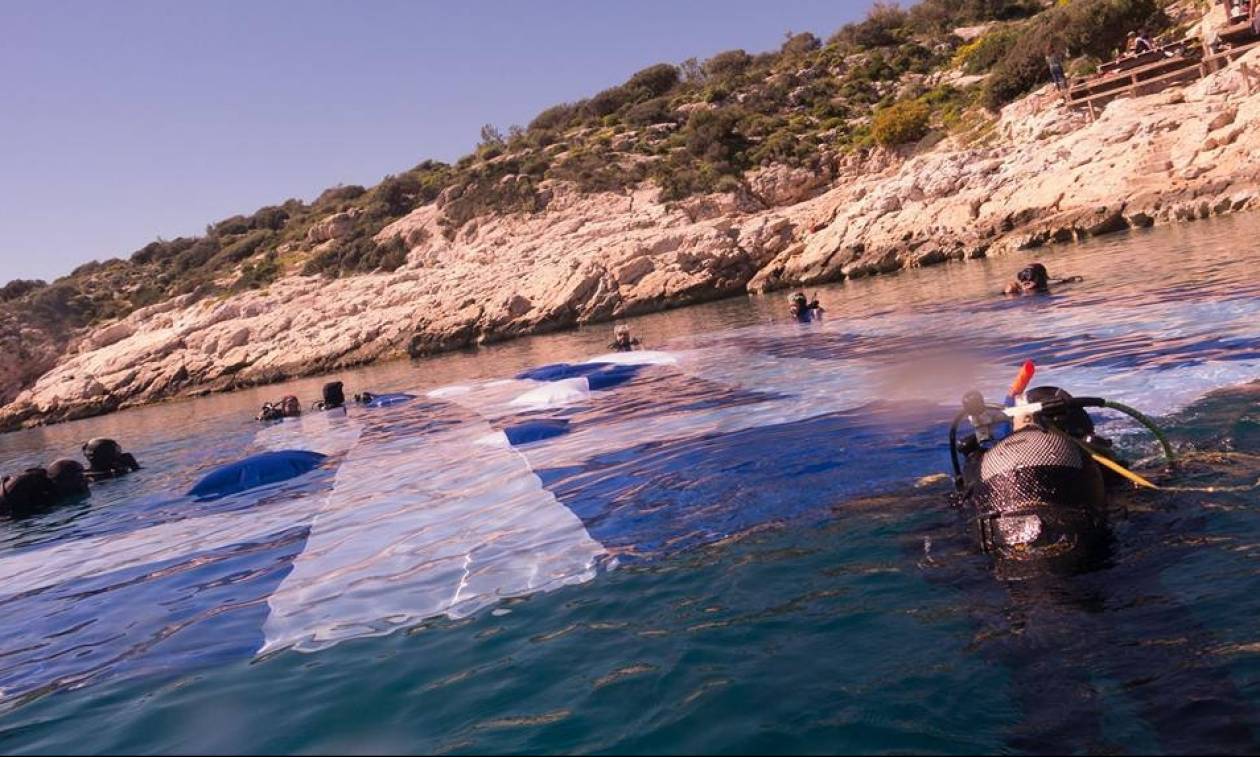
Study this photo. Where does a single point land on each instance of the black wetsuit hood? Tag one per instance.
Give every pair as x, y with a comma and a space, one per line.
1037, 274
69, 477
334, 396
28, 492
106, 459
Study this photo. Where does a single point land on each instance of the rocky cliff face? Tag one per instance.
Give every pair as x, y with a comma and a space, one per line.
1045, 175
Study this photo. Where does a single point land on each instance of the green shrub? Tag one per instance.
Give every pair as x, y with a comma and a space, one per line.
914, 58
161, 250
339, 193
61, 305
981, 54
725, 66
649, 112
196, 256
87, 269
360, 254
242, 248
489, 192
20, 288
716, 94
557, 117
653, 81
884, 26
713, 135
270, 217
491, 136
783, 147
1086, 65
680, 179
229, 226
607, 102
799, 44
904, 121
874, 67
397, 195
258, 274
535, 165
938, 16
594, 172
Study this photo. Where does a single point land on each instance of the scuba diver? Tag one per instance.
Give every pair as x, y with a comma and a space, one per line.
334, 397
622, 341
804, 310
1036, 487
1035, 279
36, 489
69, 478
28, 492
106, 459
287, 407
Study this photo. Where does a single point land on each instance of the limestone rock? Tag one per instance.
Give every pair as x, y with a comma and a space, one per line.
335, 226
1046, 176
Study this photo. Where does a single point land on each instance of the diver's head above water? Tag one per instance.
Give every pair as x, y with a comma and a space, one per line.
333, 396
1032, 279
802, 309
622, 341
69, 477
106, 459
27, 492
290, 406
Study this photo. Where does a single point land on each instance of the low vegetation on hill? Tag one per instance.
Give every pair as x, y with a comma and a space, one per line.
898, 76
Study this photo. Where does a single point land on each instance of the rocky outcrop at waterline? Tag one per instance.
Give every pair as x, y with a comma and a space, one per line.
1043, 175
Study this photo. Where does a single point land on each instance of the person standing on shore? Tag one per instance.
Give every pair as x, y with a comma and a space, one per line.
1055, 64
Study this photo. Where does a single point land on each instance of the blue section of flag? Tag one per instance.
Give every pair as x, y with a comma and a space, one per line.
664, 496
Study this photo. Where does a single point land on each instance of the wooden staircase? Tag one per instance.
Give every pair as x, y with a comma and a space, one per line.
1156, 70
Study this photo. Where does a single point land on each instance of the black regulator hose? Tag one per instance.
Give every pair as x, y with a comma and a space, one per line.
953, 447
1142, 420
1063, 404
1148, 424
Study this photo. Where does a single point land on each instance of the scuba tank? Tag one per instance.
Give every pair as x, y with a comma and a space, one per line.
1039, 492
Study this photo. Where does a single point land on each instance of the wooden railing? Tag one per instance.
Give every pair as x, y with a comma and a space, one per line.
1151, 78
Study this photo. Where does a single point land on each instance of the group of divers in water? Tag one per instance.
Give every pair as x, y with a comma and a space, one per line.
1032, 475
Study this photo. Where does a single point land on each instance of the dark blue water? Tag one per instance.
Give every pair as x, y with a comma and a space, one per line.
735, 541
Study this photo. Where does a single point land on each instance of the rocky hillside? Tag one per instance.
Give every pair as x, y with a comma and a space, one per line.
887, 146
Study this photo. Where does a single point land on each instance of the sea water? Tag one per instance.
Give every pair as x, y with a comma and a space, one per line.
734, 540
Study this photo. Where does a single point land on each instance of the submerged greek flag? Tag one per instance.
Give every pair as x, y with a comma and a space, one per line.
443, 502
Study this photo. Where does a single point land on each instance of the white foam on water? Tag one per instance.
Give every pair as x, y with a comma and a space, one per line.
415, 530
444, 392
637, 357
560, 393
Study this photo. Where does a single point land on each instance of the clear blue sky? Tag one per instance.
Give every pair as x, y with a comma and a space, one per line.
124, 121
